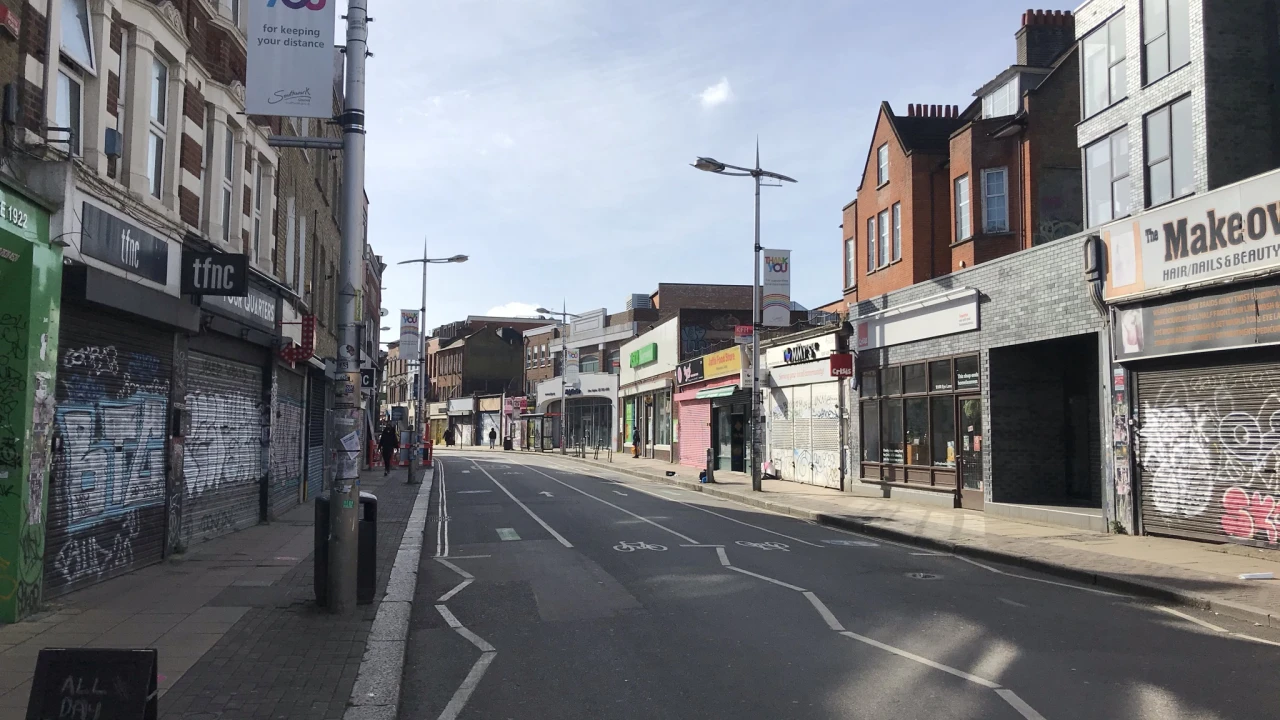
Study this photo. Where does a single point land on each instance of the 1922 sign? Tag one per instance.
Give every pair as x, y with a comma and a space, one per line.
94, 684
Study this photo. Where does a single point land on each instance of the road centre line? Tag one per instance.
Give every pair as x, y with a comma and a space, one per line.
682, 536
822, 609
539, 520
456, 569
711, 512
449, 595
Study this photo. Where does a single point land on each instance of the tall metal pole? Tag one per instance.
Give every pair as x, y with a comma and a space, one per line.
422, 362
564, 388
755, 344
344, 495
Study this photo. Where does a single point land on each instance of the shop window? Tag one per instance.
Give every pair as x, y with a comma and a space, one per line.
943, 431
967, 374
662, 417
891, 432
893, 381
913, 379
870, 384
871, 432
940, 379
916, 413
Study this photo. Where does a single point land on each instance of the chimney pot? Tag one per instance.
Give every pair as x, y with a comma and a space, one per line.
911, 110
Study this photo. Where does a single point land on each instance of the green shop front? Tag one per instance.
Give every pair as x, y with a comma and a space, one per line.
30, 290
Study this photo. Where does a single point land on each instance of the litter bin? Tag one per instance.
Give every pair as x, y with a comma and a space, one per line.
366, 550
506, 443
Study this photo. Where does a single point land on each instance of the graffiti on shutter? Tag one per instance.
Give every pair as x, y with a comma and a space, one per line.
287, 421
107, 488
825, 434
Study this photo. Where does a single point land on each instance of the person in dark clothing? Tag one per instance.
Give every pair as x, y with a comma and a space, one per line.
388, 443
493, 436
448, 437
635, 442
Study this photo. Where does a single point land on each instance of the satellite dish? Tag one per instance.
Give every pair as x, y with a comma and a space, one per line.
384, 312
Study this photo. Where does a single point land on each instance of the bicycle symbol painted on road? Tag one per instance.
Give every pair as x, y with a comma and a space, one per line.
627, 547
765, 545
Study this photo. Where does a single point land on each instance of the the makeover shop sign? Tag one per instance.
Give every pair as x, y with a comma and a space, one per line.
1231, 231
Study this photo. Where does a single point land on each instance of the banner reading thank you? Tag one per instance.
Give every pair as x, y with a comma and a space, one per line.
291, 58
777, 288
409, 329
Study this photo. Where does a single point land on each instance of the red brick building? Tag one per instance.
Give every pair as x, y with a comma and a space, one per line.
944, 189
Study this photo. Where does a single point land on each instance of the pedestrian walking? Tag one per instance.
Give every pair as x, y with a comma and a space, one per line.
635, 442
388, 443
493, 437
448, 437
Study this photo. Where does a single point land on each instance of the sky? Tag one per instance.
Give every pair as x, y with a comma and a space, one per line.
550, 140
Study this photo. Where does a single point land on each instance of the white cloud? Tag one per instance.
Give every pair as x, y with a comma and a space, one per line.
514, 309
717, 94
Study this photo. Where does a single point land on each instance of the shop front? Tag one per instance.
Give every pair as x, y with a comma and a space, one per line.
1196, 380
461, 429
714, 409
489, 420
438, 417
590, 408
804, 405
645, 415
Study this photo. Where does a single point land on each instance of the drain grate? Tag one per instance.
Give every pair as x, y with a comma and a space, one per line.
923, 576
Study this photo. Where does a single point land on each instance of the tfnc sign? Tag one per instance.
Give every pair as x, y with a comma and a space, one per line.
215, 274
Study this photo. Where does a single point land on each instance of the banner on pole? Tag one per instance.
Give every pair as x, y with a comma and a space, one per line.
290, 58
777, 288
409, 330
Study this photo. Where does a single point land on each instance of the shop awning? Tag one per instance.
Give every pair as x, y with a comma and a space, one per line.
725, 391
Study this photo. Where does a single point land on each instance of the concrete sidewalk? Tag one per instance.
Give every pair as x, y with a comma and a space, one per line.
1180, 571
234, 620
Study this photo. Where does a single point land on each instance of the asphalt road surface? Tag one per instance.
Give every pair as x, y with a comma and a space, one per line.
551, 590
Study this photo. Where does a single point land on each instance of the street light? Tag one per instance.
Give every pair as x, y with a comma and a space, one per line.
711, 165
564, 359
422, 338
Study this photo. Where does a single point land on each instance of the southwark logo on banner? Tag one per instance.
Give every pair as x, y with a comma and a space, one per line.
777, 288
290, 63
1231, 231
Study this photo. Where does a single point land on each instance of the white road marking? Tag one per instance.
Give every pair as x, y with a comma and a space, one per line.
1007, 601
449, 618
764, 545
524, 507
1190, 618
929, 554
1036, 579
1019, 704
544, 492
467, 472
627, 547
682, 536
853, 543
788, 586
724, 557
442, 522
472, 492
468, 557
461, 586
508, 534
456, 569
703, 546
468, 686
826, 614
922, 660
615, 492
1251, 638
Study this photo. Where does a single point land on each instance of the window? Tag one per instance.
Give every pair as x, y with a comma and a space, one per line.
1104, 66
1166, 36
967, 373
69, 113
963, 230
891, 446
228, 196
870, 383
916, 417
940, 376
1169, 149
77, 42
849, 250
871, 245
943, 430
897, 231
883, 220
913, 379
995, 200
235, 12
589, 364
1107, 178
615, 361
157, 136
1001, 101
882, 164
870, 432
257, 210
662, 418
892, 381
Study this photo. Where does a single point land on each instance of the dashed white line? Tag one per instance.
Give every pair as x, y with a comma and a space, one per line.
449, 595
922, 660
1014, 603
468, 686
724, 558
539, 520
765, 578
818, 605
1019, 704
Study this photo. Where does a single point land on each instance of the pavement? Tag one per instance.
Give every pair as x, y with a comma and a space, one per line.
234, 620
552, 589
1194, 574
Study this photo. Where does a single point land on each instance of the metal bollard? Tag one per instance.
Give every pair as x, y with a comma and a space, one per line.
711, 465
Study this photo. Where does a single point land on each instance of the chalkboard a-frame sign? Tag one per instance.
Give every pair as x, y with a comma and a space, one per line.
94, 684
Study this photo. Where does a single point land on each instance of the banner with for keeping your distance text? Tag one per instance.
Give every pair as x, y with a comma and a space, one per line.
291, 66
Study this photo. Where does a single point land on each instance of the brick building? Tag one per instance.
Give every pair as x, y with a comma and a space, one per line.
944, 188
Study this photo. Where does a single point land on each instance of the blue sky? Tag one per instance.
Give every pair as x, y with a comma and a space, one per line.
550, 140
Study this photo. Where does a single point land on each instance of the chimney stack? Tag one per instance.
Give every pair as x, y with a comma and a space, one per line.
1044, 35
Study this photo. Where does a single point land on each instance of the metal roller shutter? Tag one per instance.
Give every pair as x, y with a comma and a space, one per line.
287, 425
1209, 452
106, 502
781, 433
824, 429
316, 397
223, 462
802, 422
695, 432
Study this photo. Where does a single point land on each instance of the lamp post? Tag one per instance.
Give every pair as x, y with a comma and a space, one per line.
564, 358
422, 343
710, 165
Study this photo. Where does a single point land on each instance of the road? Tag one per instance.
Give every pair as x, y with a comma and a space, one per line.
551, 590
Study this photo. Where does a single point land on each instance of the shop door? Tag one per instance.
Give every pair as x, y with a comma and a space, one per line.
317, 398
648, 429
971, 437
824, 434
739, 439
106, 503
287, 426
723, 438
801, 429
1208, 451
222, 468
782, 444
